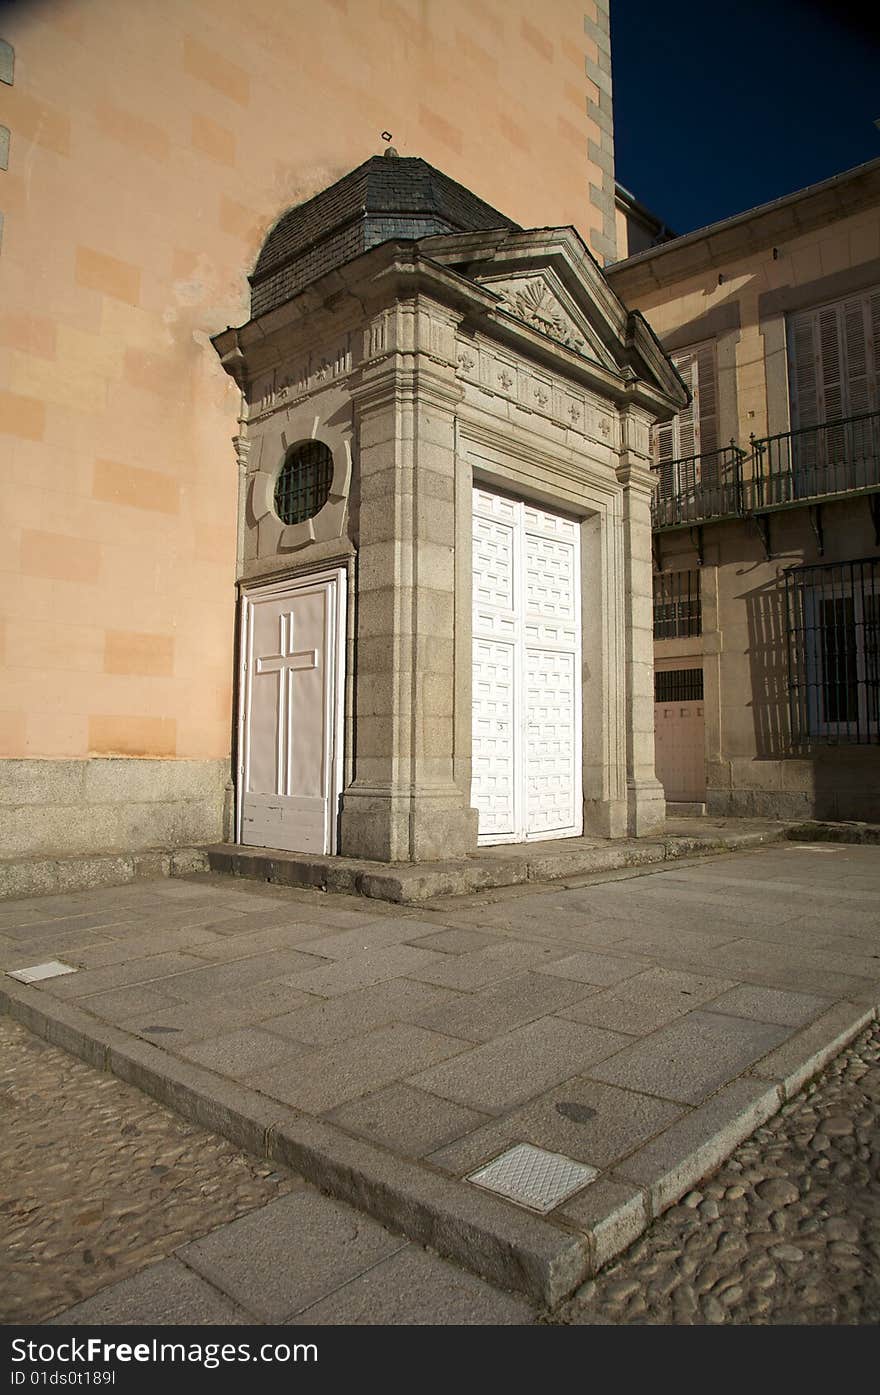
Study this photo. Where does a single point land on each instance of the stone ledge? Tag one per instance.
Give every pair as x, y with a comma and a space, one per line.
37, 876
815, 831
500, 866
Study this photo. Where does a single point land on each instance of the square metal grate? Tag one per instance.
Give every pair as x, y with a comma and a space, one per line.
53, 968
533, 1177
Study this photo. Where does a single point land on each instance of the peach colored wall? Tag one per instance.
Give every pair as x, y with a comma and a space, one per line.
841, 245
152, 146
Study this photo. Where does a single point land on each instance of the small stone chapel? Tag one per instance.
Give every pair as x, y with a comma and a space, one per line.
444, 559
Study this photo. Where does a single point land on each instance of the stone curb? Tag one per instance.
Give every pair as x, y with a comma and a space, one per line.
420, 882
544, 1259
817, 832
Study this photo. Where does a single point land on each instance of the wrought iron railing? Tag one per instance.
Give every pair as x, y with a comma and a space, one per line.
815, 462
698, 488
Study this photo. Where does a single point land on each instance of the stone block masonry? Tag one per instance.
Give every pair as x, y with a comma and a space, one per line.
69, 808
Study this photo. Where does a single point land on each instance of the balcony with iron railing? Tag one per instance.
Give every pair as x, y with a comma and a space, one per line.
698, 488
815, 463
792, 468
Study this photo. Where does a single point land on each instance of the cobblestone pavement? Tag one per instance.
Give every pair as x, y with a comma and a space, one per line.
97, 1180
787, 1231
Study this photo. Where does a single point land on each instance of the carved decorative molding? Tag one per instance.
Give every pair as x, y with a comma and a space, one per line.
535, 302
290, 384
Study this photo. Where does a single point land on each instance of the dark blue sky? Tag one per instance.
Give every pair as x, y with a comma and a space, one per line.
721, 106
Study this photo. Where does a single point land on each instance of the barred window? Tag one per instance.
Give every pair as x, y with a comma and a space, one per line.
303, 485
677, 605
834, 651
678, 685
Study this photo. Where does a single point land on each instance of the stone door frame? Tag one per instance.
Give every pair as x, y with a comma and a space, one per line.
487, 457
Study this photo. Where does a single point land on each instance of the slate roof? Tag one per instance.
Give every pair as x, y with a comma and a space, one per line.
383, 199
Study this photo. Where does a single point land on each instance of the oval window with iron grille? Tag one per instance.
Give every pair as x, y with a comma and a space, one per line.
303, 484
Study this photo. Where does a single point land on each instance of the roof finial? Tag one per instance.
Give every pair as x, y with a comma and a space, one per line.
390, 153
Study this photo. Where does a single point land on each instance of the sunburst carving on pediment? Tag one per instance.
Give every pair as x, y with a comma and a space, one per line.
533, 301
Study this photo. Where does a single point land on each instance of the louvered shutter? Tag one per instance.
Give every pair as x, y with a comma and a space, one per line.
835, 360
803, 378
685, 422
707, 399
831, 368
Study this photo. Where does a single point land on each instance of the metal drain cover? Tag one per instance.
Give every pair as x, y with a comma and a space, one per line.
53, 968
533, 1177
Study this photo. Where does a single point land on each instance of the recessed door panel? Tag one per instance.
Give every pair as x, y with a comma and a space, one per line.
289, 777
526, 780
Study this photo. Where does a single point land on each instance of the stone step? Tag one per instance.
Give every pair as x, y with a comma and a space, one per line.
512, 865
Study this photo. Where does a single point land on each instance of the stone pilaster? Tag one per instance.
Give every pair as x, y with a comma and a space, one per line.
403, 803
646, 804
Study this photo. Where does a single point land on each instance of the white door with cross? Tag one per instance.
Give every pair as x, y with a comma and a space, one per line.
290, 714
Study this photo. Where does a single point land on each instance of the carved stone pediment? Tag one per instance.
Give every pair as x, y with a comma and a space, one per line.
534, 300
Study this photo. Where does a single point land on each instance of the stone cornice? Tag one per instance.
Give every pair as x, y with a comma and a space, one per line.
745, 233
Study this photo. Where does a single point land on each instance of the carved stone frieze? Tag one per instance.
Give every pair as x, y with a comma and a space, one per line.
534, 301
287, 385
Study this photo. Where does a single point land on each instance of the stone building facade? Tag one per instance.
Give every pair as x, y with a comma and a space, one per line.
482, 406
145, 153
767, 514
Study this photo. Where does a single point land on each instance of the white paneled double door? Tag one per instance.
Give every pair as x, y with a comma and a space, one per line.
526, 772
290, 714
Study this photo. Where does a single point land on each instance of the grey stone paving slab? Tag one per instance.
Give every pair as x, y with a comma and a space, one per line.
164, 1294
208, 1017
406, 1120
595, 1124
691, 1058
415, 1288
325, 1021
501, 1007
771, 1005
145, 944
470, 972
642, 1004
513, 1068
240, 973
673, 941
457, 941
373, 966
243, 1052
119, 1004
750, 959
598, 969
288, 1255
373, 934
355, 1067
89, 981
225, 948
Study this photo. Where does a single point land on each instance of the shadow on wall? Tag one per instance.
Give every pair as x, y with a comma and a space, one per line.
768, 659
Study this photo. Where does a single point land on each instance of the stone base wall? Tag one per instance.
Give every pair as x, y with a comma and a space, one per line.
838, 785
75, 808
